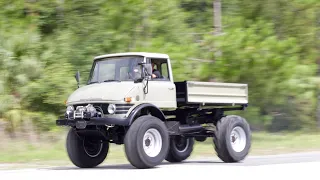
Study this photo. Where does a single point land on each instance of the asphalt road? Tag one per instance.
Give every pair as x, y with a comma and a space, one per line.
286, 166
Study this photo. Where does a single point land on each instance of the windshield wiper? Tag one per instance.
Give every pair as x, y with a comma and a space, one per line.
111, 80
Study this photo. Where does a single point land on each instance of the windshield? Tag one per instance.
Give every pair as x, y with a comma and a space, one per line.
116, 69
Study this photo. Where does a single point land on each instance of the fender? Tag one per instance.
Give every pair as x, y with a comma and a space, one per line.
155, 111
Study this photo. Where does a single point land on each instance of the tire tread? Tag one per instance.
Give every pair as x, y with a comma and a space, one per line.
221, 148
133, 154
77, 154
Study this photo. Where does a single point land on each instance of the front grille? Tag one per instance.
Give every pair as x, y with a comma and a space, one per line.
120, 108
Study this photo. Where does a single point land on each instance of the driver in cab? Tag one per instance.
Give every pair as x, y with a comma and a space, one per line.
155, 72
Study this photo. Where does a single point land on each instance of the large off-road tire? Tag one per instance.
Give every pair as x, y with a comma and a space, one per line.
180, 148
85, 153
232, 138
146, 142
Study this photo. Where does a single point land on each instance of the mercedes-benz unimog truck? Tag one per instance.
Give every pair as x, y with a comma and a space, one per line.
132, 99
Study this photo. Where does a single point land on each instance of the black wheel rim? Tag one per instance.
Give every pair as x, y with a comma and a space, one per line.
92, 148
180, 143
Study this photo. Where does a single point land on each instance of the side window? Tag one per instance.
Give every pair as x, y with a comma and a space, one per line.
161, 65
164, 70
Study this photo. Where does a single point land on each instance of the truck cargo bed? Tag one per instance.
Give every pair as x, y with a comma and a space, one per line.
211, 93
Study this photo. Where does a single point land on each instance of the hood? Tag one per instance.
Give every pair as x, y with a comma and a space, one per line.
108, 91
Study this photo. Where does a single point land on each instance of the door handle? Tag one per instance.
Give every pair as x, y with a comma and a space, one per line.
171, 88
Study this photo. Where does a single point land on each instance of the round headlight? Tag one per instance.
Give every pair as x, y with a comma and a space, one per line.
111, 108
69, 109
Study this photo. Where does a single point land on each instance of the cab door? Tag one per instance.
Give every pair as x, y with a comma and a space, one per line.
161, 90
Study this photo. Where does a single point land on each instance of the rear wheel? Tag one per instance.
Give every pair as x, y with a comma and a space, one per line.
180, 148
232, 138
146, 142
84, 152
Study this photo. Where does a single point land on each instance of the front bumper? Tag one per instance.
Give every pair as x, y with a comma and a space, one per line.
82, 123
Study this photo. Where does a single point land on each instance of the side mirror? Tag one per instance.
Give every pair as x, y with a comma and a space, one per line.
77, 76
146, 72
148, 69
138, 74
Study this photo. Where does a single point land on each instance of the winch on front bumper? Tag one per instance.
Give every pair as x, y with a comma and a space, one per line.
80, 116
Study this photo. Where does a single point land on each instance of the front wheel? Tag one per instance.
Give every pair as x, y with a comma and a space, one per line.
180, 148
146, 142
84, 152
232, 138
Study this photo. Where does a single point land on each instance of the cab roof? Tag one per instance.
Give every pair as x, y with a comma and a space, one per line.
144, 54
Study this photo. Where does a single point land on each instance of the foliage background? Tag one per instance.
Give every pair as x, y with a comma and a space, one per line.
273, 45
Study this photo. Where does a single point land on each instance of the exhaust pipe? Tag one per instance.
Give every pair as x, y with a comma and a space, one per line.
190, 129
